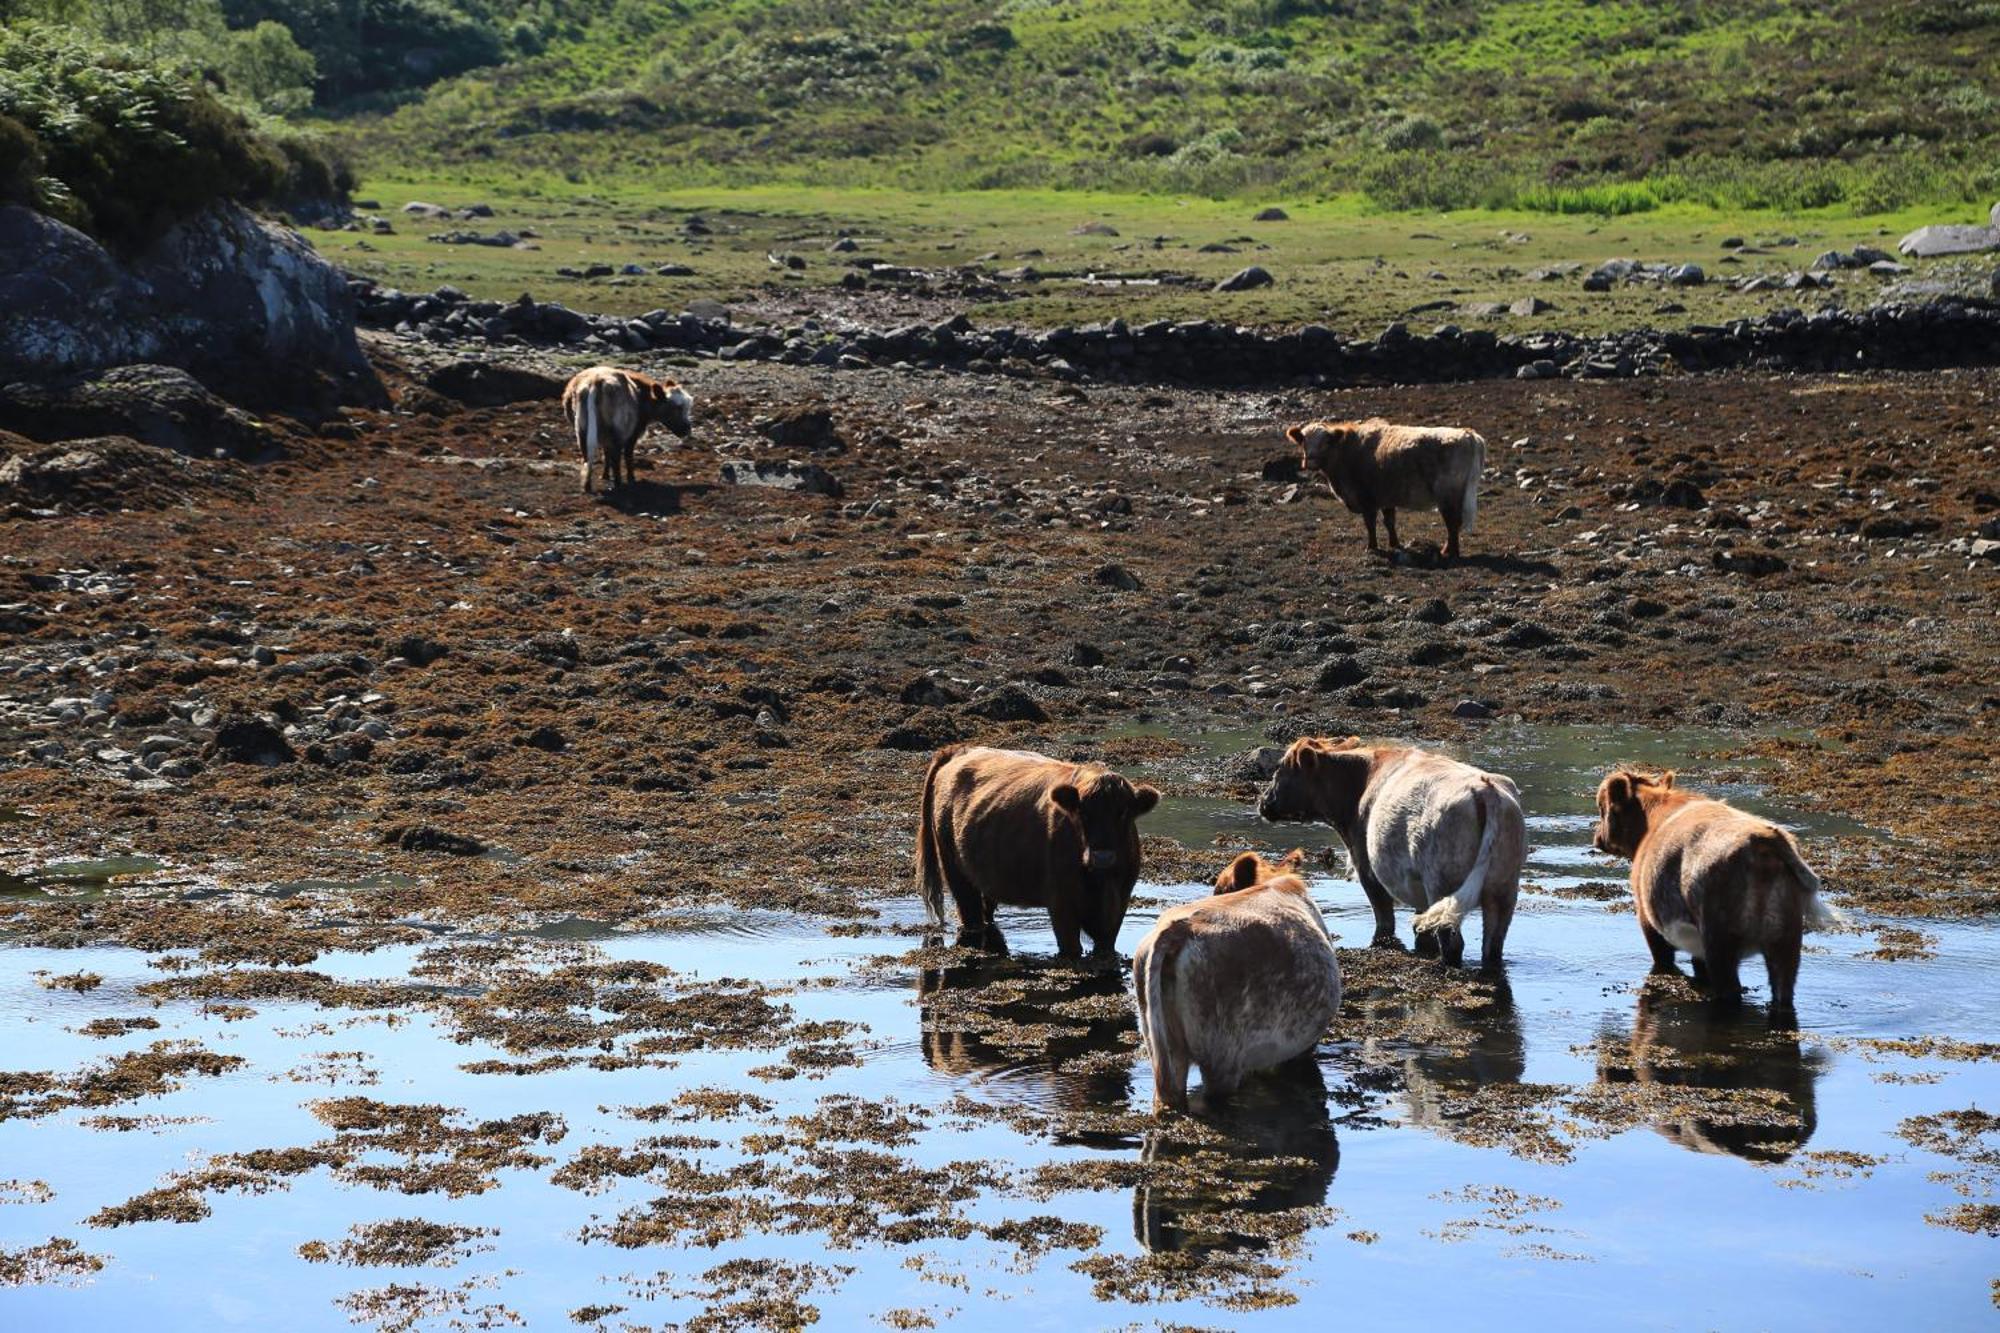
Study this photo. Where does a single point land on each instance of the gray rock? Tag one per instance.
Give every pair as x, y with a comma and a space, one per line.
809, 478
230, 298
1686, 275
1930, 242
1116, 576
1244, 279
1472, 708
1093, 229
1529, 305
163, 406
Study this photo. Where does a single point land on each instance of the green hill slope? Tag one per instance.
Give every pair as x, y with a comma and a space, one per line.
1562, 105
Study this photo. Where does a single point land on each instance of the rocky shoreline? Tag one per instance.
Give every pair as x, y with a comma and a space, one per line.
1939, 333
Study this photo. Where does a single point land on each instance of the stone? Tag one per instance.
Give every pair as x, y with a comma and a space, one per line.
231, 299
1009, 703
1686, 275
1116, 576
809, 428
429, 838
1529, 305
1931, 242
1276, 214
807, 478
1093, 229
1244, 279
488, 384
1472, 708
1340, 671
1086, 655
161, 405
244, 738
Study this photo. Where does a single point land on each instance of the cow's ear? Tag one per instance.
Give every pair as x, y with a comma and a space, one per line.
1667, 779
1243, 870
1144, 798
1294, 860
1294, 434
1067, 797
1308, 756
1617, 790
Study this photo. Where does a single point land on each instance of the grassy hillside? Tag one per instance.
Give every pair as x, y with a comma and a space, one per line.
1551, 105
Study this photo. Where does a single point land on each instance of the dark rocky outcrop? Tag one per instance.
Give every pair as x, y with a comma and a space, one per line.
244, 305
488, 384
160, 405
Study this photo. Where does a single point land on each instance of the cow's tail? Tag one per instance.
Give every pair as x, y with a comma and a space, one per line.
1446, 913
1468, 503
1815, 912
1166, 1041
930, 869
590, 433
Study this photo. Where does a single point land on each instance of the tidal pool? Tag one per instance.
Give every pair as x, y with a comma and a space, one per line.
1572, 1148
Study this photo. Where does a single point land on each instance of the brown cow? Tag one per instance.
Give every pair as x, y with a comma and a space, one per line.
611, 408
1711, 880
1243, 980
1010, 827
1374, 466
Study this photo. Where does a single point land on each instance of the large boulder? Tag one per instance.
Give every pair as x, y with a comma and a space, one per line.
103, 475
245, 305
489, 384
1930, 242
160, 405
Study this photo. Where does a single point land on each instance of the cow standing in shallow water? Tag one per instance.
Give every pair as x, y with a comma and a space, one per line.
1712, 881
1021, 829
1240, 981
1376, 467
1421, 828
611, 408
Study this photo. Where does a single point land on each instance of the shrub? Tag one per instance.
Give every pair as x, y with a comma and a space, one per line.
1412, 134
126, 148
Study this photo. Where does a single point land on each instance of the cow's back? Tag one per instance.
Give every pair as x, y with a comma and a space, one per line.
1422, 803
1254, 980
1706, 858
1422, 465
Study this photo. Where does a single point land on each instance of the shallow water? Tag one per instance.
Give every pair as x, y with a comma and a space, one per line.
1674, 1222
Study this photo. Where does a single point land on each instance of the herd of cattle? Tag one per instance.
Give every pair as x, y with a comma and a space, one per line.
1247, 979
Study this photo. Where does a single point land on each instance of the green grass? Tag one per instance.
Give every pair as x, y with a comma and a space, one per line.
1531, 103
1338, 261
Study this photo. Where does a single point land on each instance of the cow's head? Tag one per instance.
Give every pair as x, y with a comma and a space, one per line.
1105, 808
1315, 779
1249, 870
1320, 441
1621, 810
673, 407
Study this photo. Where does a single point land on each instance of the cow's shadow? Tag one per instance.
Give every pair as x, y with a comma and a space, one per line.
645, 496
1268, 1149
1052, 1034
1679, 1041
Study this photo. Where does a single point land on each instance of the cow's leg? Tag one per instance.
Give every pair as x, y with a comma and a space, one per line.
1389, 523
1722, 952
1427, 943
631, 448
1448, 510
1368, 517
1781, 965
1700, 970
1663, 952
975, 913
1068, 930
1496, 913
1451, 946
1385, 913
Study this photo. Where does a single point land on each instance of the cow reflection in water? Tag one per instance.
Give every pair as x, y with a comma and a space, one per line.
1057, 1036
1678, 1041
1268, 1149
1439, 1049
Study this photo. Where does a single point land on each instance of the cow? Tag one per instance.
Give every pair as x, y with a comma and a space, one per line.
1421, 828
611, 408
1242, 980
1374, 466
1020, 829
1711, 881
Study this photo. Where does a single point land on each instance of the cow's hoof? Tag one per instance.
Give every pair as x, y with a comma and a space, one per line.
1387, 942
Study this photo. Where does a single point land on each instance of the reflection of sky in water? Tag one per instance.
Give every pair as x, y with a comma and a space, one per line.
1674, 1236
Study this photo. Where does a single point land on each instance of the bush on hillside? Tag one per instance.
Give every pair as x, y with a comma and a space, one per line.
123, 148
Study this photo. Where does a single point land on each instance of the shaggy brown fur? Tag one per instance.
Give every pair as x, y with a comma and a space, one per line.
1377, 467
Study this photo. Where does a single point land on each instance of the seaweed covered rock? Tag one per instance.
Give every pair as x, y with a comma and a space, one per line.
159, 405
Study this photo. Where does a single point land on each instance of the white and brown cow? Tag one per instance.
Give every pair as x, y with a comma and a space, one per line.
611, 408
1711, 881
1024, 830
1375, 466
1421, 828
1243, 980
